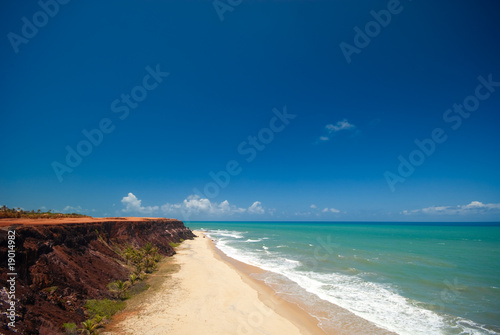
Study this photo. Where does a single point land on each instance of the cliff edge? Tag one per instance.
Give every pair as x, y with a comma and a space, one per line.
60, 264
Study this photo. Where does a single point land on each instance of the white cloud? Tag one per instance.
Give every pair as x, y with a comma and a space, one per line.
133, 205
167, 208
76, 209
196, 204
193, 204
317, 212
304, 214
332, 210
340, 125
256, 208
71, 209
333, 128
475, 207
479, 205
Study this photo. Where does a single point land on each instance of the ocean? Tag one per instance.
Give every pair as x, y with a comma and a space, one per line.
418, 278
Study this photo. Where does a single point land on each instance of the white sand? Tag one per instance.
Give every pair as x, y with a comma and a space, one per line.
209, 296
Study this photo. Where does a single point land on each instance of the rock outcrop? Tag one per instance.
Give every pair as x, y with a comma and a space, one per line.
60, 266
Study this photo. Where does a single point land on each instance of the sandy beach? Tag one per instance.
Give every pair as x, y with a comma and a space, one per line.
209, 295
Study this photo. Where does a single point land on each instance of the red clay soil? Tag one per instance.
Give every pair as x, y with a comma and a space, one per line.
62, 263
14, 221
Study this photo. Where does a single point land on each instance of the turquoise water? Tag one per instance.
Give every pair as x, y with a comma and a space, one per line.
408, 279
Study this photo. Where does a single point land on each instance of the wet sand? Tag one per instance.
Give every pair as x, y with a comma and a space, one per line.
209, 295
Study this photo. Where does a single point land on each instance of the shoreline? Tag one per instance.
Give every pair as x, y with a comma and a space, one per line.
208, 295
306, 323
295, 309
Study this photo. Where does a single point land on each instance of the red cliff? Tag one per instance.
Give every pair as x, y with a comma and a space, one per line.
60, 264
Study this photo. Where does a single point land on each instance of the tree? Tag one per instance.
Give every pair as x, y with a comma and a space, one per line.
119, 288
129, 254
149, 265
133, 278
89, 327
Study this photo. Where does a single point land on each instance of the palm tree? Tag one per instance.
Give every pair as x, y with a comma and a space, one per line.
129, 254
138, 256
119, 288
133, 278
148, 249
157, 257
149, 265
138, 269
89, 327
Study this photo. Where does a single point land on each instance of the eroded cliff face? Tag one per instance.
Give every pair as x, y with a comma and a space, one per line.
59, 267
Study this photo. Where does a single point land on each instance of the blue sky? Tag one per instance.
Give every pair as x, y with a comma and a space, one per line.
252, 110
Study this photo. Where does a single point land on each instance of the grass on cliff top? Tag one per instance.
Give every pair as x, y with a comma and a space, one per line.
13, 213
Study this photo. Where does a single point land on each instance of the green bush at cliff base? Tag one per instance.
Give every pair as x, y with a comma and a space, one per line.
119, 288
174, 245
70, 328
103, 308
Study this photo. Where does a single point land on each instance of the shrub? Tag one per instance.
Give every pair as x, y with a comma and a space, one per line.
103, 308
119, 288
89, 327
70, 328
133, 278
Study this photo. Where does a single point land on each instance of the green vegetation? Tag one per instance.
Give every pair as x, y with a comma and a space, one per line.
6, 213
70, 328
119, 288
104, 308
89, 327
174, 245
133, 278
142, 261
99, 312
